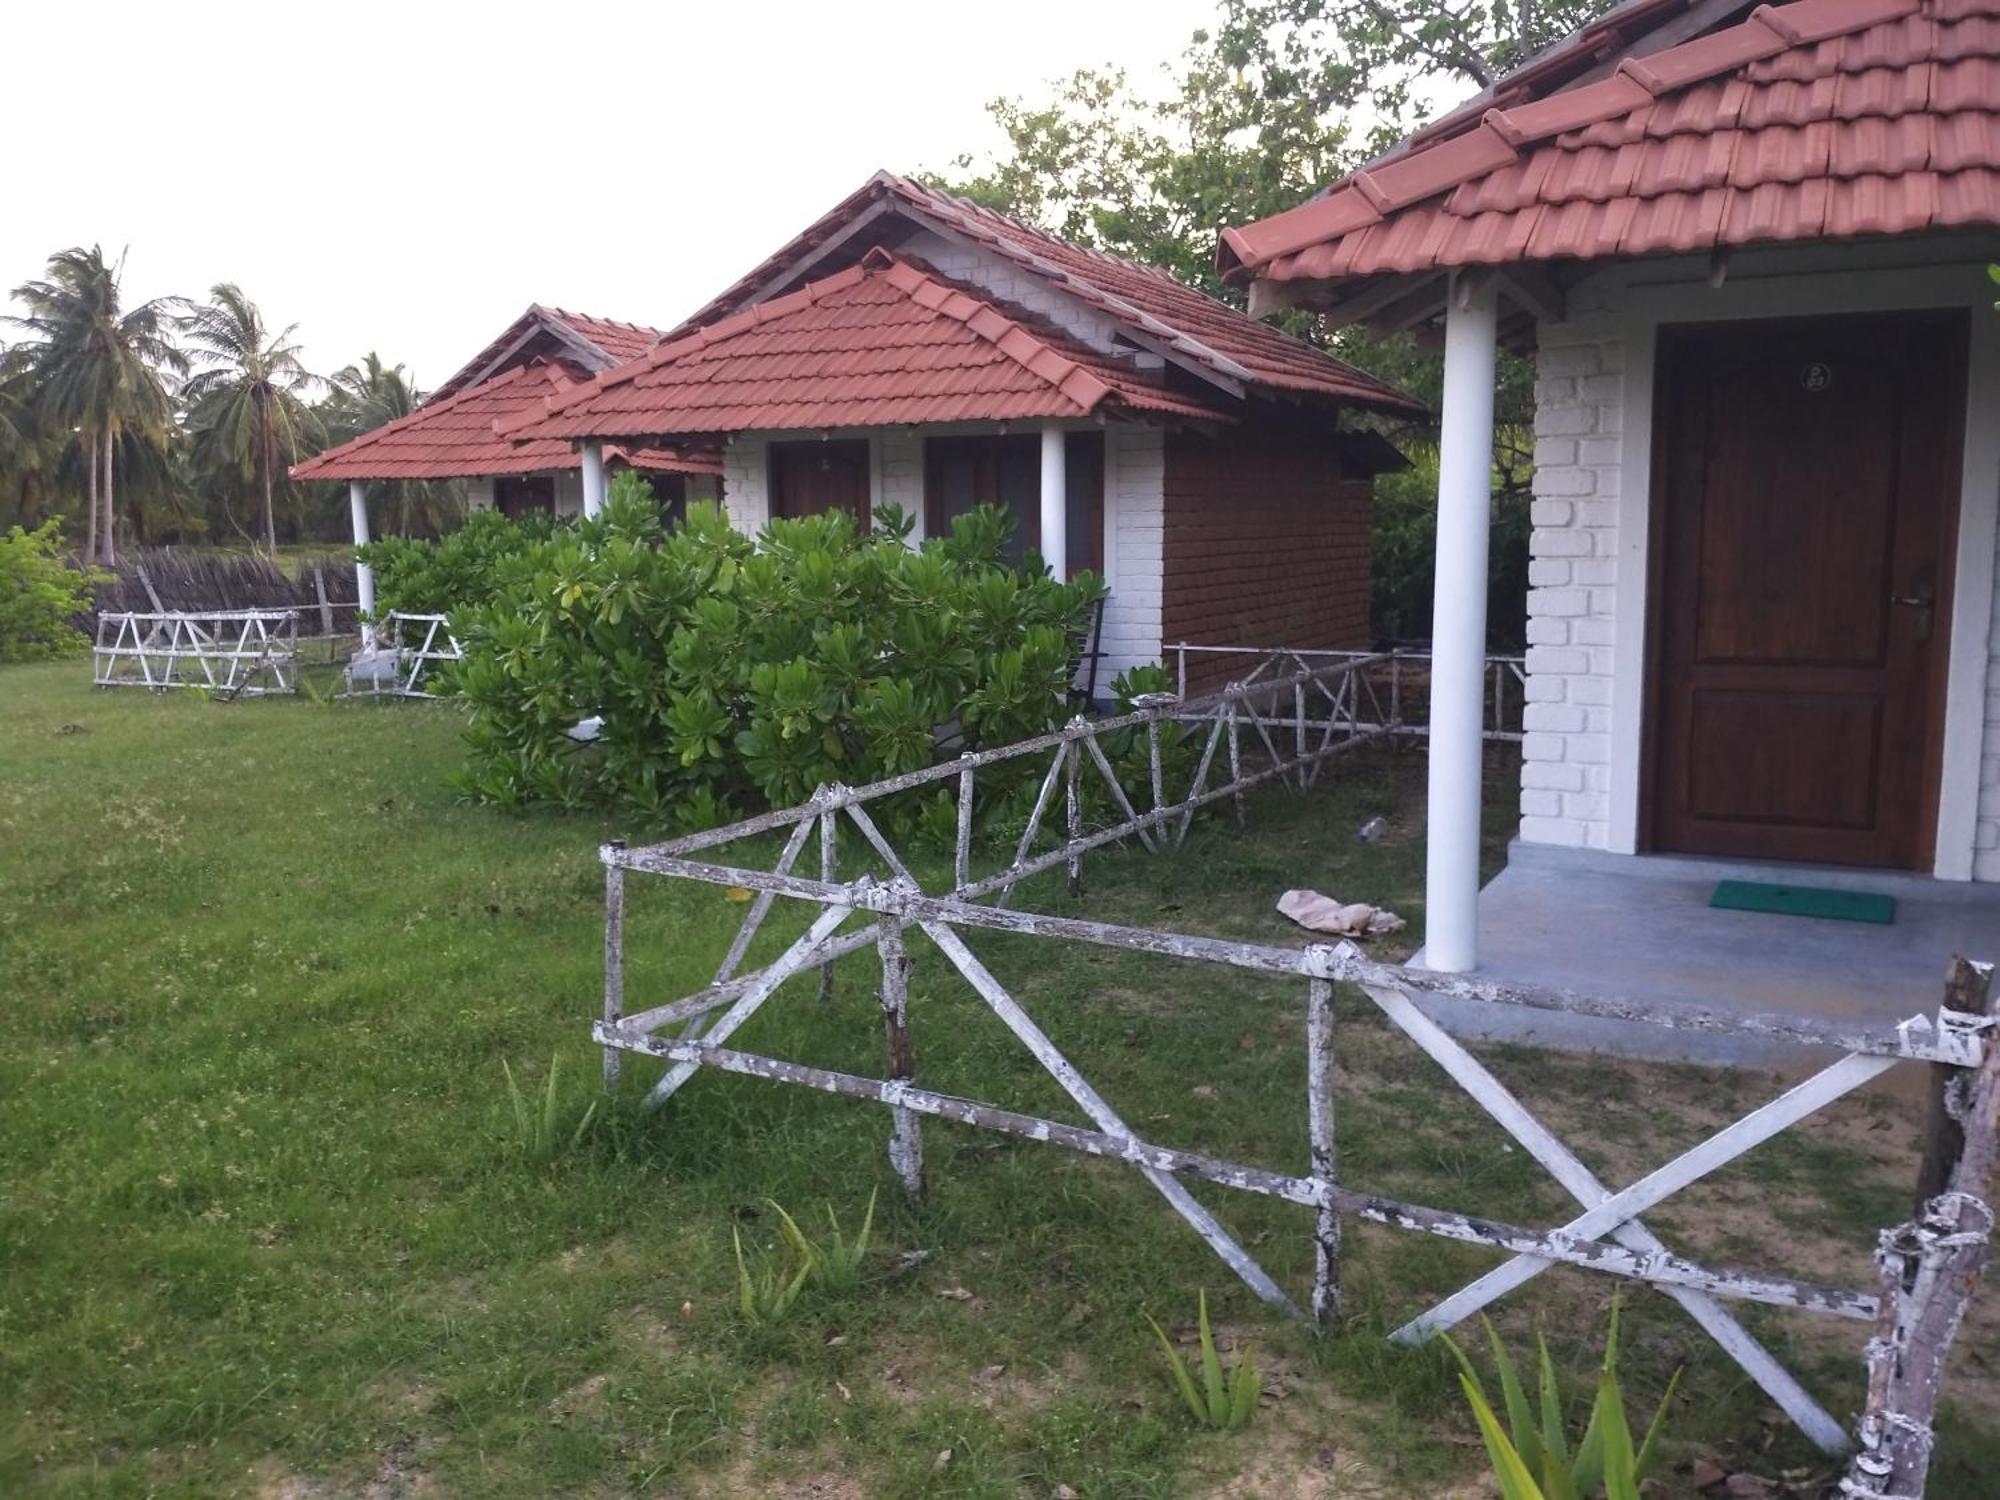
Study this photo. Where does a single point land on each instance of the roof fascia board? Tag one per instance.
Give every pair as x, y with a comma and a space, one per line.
1145, 329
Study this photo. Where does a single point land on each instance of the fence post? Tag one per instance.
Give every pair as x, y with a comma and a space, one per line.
1154, 763
1235, 758
1319, 1132
962, 866
1965, 992
906, 1146
1074, 815
325, 609
614, 956
1930, 1268
829, 872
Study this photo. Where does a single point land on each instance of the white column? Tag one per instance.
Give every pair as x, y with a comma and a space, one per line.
1458, 629
364, 576
1055, 502
593, 478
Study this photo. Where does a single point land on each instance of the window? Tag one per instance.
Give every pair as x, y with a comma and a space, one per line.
962, 472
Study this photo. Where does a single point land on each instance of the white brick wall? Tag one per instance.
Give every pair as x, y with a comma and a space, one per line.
1986, 833
1573, 579
744, 499
899, 461
1134, 546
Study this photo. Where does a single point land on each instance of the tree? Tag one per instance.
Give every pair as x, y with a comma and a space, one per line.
369, 395
1278, 99
246, 405
98, 369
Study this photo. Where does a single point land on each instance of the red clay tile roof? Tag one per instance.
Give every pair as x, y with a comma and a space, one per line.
1207, 336
664, 460
592, 344
1821, 119
454, 439
884, 342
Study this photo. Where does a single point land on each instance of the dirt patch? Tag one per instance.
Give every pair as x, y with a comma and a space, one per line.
744, 1478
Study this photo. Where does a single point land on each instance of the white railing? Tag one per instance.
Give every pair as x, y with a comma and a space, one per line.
230, 652
1401, 677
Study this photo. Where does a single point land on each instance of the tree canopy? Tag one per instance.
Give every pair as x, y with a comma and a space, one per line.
178, 420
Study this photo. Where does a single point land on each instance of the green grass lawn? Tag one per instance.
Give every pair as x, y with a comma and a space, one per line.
266, 1227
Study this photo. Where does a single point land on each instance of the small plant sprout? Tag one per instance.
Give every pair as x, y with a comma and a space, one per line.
1532, 1459
769, 1296
1225, 1402
832, 1269
540, 1132
836, 1264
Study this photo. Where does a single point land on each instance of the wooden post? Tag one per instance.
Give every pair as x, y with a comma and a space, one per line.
1319, 1132
1931, 1267
1966, 987
1236, 762
614, 957
146, 582
829, 871
906, 1146
325, 608
962, 866
1074, 819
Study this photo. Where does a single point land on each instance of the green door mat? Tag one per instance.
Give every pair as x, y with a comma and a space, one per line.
1804, 901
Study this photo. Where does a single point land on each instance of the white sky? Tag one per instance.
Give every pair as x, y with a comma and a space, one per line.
409, 177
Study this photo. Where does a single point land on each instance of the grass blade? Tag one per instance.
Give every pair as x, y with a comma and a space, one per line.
1182, 1380
1211, 1367
1526, 1435
1620, 1464
1516, 1483
1649, 1449
1244, 1388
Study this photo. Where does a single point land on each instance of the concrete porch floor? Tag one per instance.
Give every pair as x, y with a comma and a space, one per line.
1641, 927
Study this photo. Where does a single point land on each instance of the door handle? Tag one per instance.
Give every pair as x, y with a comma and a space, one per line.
1922, 597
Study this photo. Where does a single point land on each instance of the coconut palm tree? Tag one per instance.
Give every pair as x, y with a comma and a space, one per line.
369, 395
98, 369
246, 403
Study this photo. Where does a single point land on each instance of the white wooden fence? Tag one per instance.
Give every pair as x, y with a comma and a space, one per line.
1607, 1233
232, 653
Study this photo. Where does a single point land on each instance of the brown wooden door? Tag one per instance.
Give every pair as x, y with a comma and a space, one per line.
1810, 474
808, 478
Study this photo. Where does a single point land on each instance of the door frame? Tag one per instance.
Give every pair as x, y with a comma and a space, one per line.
1955, 321
1623, 307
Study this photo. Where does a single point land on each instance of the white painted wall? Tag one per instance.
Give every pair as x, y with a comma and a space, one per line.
569, 492
479, 494
1135, 513
1587, 604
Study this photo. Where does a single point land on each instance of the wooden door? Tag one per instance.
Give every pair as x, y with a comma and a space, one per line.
808, 478
1802, 565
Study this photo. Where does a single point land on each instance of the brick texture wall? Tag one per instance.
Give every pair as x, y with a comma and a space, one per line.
1266, 545
1572, 591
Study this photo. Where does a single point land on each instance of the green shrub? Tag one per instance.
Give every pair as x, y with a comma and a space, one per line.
729, 672
41, 595
467, 567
